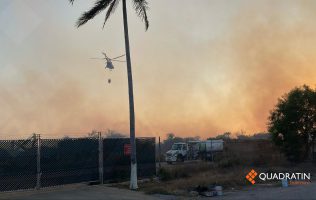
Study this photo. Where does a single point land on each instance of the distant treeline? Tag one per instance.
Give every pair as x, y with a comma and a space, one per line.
171, 138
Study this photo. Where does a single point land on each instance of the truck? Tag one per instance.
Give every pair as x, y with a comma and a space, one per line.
177, 153
193, 150
209, 148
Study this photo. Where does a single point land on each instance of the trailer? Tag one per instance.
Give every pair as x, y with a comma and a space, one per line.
193, 150
209, 148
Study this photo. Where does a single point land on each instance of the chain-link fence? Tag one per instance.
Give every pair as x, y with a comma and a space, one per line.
35, 162
117, 158
65, 161
18, 164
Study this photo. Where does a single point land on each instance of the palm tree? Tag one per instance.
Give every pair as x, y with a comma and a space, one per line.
140, 7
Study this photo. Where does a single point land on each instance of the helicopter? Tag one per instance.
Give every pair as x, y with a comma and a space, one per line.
109, 65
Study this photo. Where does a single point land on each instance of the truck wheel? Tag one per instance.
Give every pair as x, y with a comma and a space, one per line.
180, 158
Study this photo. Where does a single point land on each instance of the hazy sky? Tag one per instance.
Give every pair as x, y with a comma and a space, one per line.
202, 68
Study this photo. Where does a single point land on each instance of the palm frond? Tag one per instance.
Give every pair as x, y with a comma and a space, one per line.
141, 7
110, 10
99, 6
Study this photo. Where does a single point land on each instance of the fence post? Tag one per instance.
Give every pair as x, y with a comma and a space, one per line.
38, 161
100, 158
159, 149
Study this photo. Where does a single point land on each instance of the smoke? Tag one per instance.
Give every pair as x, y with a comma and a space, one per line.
204, 79
270, 49
230, 82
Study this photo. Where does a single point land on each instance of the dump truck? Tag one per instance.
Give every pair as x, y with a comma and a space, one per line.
193, 150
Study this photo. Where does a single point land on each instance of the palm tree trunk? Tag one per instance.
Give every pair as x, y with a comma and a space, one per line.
133, 181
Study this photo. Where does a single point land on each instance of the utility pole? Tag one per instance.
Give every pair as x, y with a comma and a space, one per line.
159, 150
37, 137
133, 181
100, 158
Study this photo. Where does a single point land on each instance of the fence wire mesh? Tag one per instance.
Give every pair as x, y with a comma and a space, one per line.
65, 161
117, 162
70, 160
17, 164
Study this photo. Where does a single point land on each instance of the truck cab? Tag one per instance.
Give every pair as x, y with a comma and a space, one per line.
177, 153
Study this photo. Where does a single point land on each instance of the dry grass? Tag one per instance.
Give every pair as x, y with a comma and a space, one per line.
254, 153
228, 170
202, 175
206, 175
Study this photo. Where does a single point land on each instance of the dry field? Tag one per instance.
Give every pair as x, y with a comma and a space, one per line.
228, 170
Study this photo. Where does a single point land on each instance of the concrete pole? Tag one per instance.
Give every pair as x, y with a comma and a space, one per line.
100, 158
38, 162
159, 149
133, 180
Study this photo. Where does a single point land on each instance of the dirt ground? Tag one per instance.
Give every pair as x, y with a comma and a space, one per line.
84, 192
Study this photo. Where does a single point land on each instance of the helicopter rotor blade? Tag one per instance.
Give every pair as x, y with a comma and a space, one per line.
118, 60
105, 54
117, 57
98, 58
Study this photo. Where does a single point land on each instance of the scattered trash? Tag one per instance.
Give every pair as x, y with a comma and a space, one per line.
194, 193
201, 189
209, 191
284, 183
209, 194
94, 183
219, 190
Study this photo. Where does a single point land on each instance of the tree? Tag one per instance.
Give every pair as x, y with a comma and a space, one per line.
170, 136
114, 134
261, 136
93, 134
140, 7
224, 136
292, 123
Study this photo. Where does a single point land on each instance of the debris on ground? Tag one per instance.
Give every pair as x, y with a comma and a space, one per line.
209, 191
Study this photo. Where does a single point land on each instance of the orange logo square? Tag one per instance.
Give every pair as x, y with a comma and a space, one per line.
251, 176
